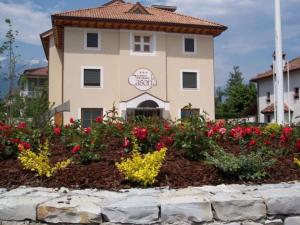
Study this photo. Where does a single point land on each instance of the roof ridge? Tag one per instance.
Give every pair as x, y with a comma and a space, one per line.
191, 17
89, 8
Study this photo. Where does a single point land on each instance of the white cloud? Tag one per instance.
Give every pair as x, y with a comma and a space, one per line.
34, 62
2, 58
27, 18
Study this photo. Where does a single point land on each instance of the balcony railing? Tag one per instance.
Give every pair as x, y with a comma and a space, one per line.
30, 94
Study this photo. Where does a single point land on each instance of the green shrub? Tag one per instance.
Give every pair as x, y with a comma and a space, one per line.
251, 166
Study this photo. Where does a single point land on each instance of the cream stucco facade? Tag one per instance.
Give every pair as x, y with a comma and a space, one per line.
118, 62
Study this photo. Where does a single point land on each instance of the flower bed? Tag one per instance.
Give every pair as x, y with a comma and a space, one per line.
191, 153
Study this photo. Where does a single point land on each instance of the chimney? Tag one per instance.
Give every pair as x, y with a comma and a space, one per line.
165, 7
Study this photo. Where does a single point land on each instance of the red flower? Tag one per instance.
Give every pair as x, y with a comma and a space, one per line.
24, 146
57, 131
273, 136
76, 148
126, 143
88, 130
283, 138
257, 131
99, 119
72, 120
252, 142
298, 145
167, 126
268, 143
248, 130
287, 131
159, 146
237, 132
140, 133
15, 140
22, 125
168, 141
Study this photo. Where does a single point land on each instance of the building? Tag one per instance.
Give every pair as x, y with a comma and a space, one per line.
291, 97
32, 81
146, 60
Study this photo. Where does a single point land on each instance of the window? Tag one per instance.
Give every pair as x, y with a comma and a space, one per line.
92, 77
296, 93
187, 113
142, 43
189, 80
92, 40
268, 97
88, 115
189, 45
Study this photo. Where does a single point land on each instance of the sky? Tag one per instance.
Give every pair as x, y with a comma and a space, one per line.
248, 42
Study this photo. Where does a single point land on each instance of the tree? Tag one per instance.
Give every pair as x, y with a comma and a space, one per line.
235, 78
240, 97
9, 47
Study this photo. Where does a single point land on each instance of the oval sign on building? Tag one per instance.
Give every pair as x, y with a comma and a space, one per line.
142, 79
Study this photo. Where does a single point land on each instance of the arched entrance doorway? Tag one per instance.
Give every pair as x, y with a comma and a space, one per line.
146, 105
148, 108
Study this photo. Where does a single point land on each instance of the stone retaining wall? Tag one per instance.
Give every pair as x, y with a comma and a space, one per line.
208, 205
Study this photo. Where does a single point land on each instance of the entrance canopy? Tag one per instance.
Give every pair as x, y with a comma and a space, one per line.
144, 100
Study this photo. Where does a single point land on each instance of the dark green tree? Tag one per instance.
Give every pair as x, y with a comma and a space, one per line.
240, 98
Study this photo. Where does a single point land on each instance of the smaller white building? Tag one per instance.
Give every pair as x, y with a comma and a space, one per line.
266, 98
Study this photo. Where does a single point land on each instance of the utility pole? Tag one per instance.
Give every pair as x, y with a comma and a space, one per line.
278, 63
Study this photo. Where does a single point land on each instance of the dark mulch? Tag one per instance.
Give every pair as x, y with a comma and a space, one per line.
176, 172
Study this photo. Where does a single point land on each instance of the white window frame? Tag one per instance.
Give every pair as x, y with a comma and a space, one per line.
181, 80
195, 45
101, 77
85, 40
142, 34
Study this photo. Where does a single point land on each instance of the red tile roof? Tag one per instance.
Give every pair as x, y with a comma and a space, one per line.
40, 71
294, 65
121, 11
270, 109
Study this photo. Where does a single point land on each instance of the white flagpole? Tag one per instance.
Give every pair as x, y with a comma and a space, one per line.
279, 69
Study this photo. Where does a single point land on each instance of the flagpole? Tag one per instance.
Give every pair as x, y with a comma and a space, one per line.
279, 68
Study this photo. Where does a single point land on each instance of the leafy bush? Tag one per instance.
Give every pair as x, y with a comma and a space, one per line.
272, 128
250, 166
191, 137
140, 168
39, 162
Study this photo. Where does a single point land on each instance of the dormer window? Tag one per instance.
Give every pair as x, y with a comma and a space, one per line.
92, 40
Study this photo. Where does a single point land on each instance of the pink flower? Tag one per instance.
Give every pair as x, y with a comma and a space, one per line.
99, 119
72, 120
88, 130
22, 125
159, 146
76, 148
222, 131
57, 131
126, 143
210, 133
